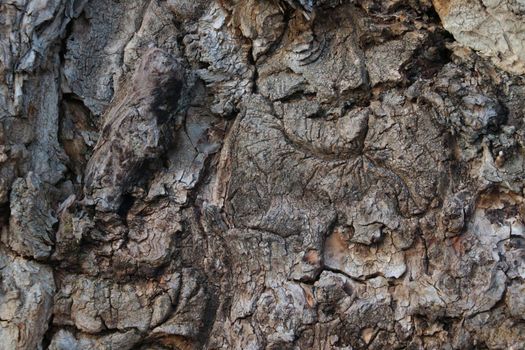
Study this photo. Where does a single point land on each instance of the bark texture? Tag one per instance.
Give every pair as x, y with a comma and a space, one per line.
262, 174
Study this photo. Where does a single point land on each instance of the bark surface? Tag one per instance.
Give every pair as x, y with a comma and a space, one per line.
262, 174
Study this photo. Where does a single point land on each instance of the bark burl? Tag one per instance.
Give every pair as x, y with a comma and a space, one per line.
262, 174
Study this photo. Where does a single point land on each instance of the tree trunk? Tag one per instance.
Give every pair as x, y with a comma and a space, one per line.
262, 174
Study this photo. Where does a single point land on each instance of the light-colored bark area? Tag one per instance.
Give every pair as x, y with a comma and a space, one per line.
262, 174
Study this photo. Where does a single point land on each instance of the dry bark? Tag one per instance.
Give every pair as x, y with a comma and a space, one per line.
262, 174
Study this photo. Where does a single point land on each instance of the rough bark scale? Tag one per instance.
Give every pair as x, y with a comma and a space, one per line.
262, 174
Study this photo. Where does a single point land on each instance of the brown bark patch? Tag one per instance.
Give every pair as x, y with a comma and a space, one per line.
442, 7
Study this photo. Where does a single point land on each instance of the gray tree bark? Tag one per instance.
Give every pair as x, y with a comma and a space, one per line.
262, 174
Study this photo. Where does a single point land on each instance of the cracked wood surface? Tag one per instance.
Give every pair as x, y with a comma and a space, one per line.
262, 174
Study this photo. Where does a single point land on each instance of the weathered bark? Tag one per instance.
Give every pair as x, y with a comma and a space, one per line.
262, 174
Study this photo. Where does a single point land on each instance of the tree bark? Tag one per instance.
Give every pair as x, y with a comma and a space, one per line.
262, 174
